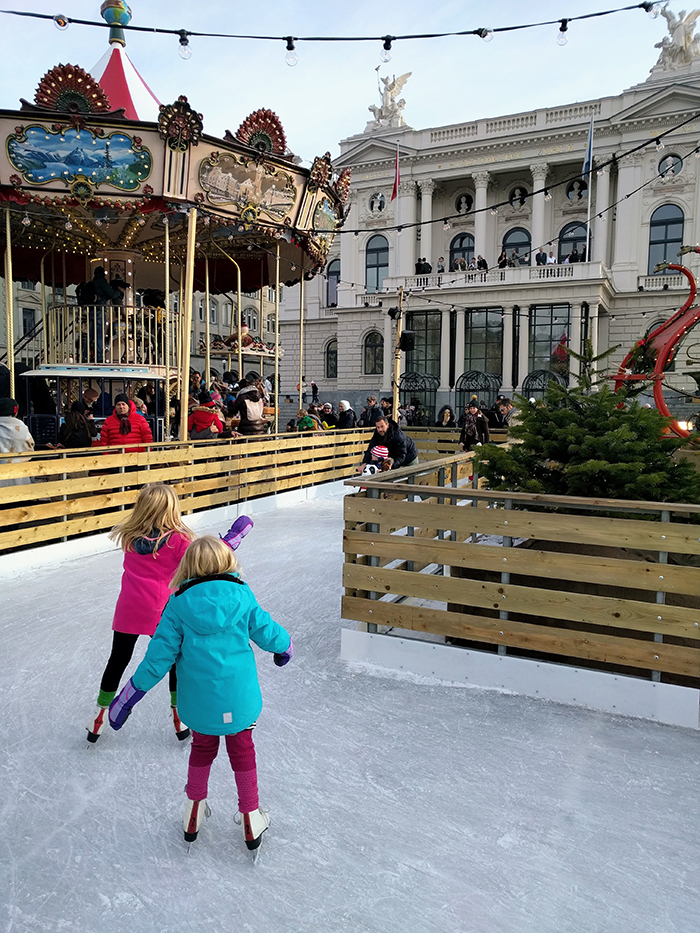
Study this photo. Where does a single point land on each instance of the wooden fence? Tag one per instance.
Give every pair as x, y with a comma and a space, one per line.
530, 575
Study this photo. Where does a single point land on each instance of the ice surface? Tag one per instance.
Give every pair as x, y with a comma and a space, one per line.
398, 804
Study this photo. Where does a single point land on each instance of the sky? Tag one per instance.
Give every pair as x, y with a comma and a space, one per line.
325, 97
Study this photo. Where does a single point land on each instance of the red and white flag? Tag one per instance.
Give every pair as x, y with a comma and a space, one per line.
397, 176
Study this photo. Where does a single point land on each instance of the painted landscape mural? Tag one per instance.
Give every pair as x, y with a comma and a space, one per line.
227, 181
42, 156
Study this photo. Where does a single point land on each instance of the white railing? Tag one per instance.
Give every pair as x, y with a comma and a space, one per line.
656, 283
521, 275
370, 300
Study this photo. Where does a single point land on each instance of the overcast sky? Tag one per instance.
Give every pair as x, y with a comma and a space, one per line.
325, 97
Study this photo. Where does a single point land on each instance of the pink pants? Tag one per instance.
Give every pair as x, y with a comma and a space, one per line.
241, 753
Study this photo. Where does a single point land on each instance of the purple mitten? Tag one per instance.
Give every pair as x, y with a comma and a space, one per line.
286, 656
237, 531
121, 706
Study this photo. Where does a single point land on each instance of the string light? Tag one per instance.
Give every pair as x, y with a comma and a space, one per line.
562, 37
547, 195
291, 57
485, 34
68, 225
653, 9
61, 22
185, 52
659, 144
385, 54
494, 211
446, 225
25, 220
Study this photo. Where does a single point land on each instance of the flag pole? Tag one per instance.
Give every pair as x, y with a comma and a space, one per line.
588, 164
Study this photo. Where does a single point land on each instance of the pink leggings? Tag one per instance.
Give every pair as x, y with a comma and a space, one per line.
241, 753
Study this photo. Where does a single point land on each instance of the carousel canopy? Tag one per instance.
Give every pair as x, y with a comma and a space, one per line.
124, 86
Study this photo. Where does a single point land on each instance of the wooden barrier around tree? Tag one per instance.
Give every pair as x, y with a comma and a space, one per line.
539, 576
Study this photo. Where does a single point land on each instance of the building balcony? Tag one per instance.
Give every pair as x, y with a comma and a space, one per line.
656, 283
523, 275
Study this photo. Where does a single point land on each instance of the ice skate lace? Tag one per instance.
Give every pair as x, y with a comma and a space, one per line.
238, 817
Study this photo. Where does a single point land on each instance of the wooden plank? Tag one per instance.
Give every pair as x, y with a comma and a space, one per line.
39, 534
584, 529
571, 607
609, 649
607, 571
32, 468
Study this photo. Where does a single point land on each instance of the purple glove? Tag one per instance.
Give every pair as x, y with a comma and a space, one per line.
237, 531
286, 656
121, 706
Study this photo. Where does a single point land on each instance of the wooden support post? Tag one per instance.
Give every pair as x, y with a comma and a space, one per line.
9, 302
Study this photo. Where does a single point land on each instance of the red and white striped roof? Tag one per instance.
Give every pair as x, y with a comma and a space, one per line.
124, 85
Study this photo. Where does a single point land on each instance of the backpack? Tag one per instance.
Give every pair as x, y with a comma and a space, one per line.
86, 294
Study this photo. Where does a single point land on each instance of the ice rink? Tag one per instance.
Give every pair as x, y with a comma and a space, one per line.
397, 806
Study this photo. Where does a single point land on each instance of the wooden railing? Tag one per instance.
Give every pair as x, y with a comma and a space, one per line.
537, 576
82, 492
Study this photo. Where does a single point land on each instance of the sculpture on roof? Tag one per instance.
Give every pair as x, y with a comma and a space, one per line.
390, 111
680, 47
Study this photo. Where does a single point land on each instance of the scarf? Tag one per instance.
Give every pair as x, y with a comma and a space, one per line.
124, 424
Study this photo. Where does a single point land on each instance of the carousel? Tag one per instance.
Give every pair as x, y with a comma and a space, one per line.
128, 200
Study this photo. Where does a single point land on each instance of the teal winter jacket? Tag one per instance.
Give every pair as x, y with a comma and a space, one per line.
206, 630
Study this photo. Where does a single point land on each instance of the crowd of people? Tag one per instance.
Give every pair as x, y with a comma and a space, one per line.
504, 261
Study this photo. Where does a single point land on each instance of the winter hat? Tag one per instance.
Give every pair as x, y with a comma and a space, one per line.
80, 407
121, 398
346, 405
91, 395
7, 407
205, 399
379, 452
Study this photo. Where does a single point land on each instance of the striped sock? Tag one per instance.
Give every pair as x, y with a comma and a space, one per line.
105, 697
173, 697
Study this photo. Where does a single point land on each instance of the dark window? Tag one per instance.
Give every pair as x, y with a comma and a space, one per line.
518, 197
28, 320
332, 279
550, 330
332, 359
665, 235
670, 165
483, 340
577, 190
518, 240
425, 357
572, 235
376, 262
374, 354
462, 247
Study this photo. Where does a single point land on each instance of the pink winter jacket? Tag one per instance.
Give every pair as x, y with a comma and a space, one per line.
146, 583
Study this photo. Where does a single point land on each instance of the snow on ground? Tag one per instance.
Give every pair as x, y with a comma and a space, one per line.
398, 804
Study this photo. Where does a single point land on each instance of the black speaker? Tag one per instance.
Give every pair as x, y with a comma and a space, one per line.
407, 340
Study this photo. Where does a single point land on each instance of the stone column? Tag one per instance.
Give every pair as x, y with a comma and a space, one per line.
523, 347
460, 331
507, 365
349, 254
388, 354
444, 351
427, 187
539, 173
575, 339
406, 214
601, 225
481, 184
625, 259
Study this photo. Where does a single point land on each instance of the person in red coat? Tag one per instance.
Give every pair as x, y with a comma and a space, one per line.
125, 427
204, 421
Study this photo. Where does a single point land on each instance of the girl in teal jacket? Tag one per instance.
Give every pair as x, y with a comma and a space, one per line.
206, 629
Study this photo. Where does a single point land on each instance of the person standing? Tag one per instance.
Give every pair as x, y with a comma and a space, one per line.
79, 428
540, 257
124, 428
15, 438
329, 418
370, 413
205, 631
249, 406
475, 430
346, 415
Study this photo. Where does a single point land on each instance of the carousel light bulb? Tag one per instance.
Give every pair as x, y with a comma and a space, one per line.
291, 57
25, 220
385, 54
562, 37
69, 225
185, 52
61, 22
485, 34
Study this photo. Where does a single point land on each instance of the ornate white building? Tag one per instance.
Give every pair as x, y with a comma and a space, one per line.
513, 183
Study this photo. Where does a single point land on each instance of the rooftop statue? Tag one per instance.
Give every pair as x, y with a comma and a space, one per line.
390, 111
680, 47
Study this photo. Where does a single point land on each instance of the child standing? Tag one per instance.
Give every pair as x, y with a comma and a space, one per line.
206, 629
154, 539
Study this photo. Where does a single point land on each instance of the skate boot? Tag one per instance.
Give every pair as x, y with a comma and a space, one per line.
254, 825
181, 729
195, 811
97, 724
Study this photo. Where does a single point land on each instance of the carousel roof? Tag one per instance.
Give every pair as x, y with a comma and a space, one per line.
119, 79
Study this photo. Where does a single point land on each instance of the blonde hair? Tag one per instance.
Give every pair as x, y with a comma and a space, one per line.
156, 507
203, 558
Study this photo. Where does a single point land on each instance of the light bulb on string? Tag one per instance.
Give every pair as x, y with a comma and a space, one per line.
494, 211
385, 54
68, 225
291, 57
653, 9
446, 225
399, 231
547, 195
185, 52
562, 37
485, 34
61, 21
25, 220
696, 153
659, 145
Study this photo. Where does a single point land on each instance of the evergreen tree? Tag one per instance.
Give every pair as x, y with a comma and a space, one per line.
596, 445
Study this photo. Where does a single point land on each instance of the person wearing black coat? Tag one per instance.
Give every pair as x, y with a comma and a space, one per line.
346, 415
446, 418
476, 428
402, 450
370, 413
78, 429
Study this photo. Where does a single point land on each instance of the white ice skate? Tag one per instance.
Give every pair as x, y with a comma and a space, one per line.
195, 811
254, 825
181, 730
97, 723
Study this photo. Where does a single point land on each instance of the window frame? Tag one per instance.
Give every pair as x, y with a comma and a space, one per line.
523, 260
330, 358
375, 251
488, 321
467, 252
373, 354
670, 245
427, 328
332, 282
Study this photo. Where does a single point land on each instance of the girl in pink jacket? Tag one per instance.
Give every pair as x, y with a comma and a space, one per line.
154, 540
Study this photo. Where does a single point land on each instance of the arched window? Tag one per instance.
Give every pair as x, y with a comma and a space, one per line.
665, 235
332, 359
518, 240
374, 354
572, 236
332, 279
213, 312
462, 247
376, 262
250, 317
